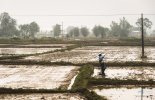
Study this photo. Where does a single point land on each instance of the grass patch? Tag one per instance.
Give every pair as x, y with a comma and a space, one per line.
20, 90
27, 41
81, 83
31, 62
105, 81
81, 80
17, 60
89, 42
127, 63
90, 95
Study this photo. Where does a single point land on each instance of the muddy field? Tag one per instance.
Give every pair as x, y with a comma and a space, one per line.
52, 77
90, 54
126, 92
30, 48
53, 96
45, 45
123, 73
36, 77
17, 51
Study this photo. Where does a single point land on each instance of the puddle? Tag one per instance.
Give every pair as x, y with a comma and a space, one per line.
136, 73
90, 54
72, 82
36, 77
47, 96
126, 92
6, 51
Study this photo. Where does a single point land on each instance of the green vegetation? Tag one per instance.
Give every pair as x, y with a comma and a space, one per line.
90, 95
146, 23
84, 31
19, 42
29, 30
120, 30
130, 63
7, 25
102, 81
100, 31
74, 32
81, 80
20, 90
81, 83
9, 28
30, 62
43, 40
17, 60
57, 30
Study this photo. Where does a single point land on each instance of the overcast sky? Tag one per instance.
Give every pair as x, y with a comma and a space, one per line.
42, 11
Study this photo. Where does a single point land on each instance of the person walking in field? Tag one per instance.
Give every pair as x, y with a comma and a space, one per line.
102, 64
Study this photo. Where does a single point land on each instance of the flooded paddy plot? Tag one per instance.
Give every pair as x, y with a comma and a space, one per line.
45, 45
119, 53
90, 54
135, 73
53, 96
126, 92
36, 77
9, 51
67, 56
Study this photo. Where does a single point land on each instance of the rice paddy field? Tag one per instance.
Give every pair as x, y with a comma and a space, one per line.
36, 77
126, 92
90, 54
43, 96
25, 76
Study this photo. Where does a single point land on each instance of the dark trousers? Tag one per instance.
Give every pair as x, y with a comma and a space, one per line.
103, 67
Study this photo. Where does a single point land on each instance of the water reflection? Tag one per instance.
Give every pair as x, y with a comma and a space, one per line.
7, 51
137, 73
113, 54
36, 76
126, 92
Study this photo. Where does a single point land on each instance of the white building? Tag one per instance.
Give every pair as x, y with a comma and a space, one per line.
136, 34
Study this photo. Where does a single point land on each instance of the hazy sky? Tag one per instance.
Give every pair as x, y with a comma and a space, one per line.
42, 11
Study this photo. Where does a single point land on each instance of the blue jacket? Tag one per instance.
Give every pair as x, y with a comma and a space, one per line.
101, 57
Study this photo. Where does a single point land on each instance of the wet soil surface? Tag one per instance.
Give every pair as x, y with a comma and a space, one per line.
90, 54
136, 73
45, 45
126, 92
36, 77
53, 96
17, 51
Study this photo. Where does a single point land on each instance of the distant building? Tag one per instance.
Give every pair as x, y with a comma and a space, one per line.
43, 34
136, 34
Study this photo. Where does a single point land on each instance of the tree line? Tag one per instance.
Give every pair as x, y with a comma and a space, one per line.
9, 28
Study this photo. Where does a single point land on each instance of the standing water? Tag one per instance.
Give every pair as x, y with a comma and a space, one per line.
136, 73
126, 93
72, 82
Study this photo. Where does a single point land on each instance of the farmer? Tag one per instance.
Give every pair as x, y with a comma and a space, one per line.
102, 64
